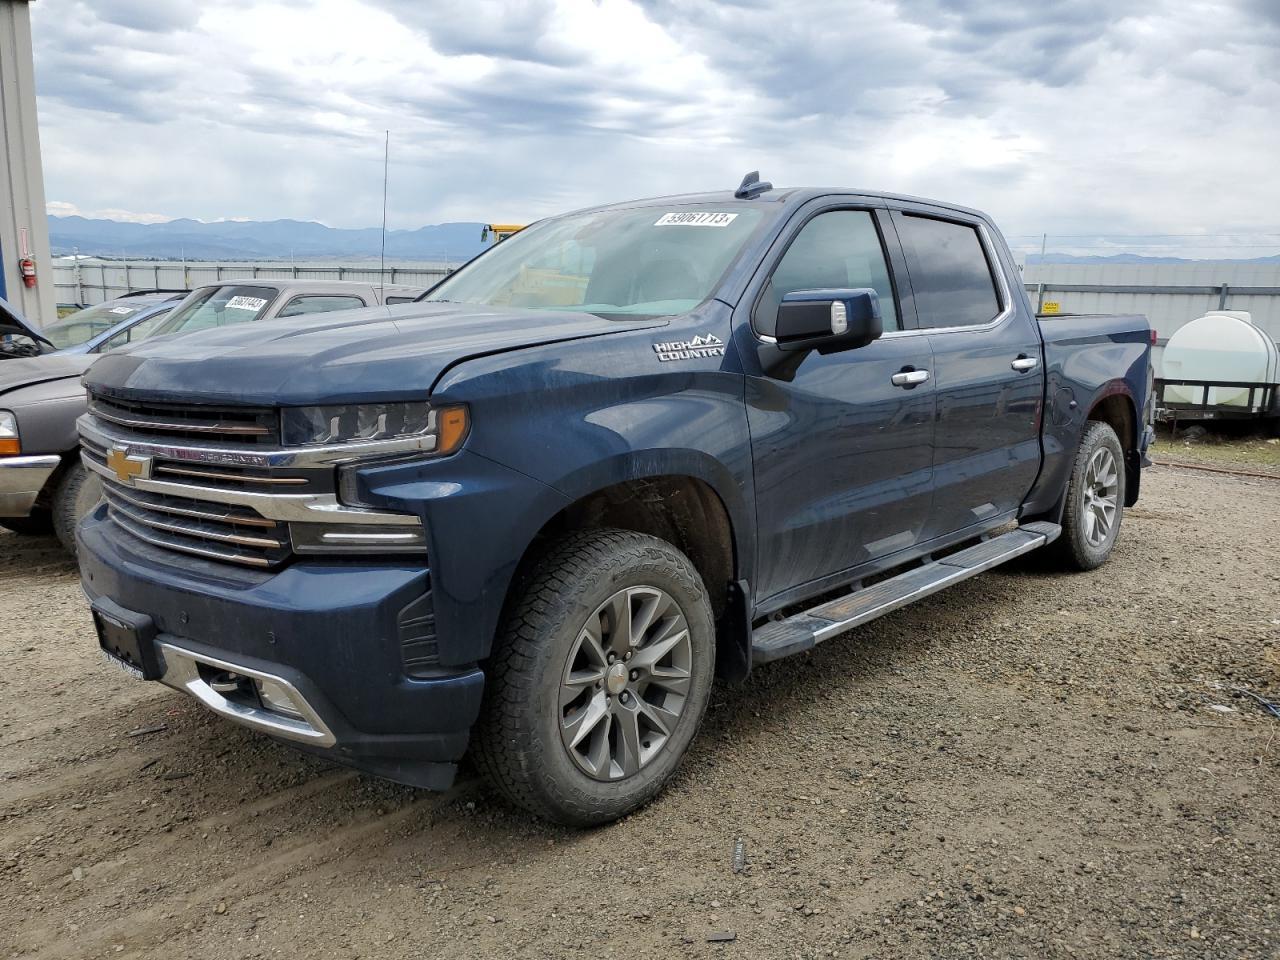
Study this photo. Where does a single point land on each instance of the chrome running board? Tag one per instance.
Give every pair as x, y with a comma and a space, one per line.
805, 630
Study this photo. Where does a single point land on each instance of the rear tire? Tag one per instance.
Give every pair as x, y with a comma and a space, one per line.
38, 524
598, 680
1095, 500
78, 492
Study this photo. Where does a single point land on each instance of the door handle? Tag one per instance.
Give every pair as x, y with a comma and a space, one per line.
909, 378
1023, 364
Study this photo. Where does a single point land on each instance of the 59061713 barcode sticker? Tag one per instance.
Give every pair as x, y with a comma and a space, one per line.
246, 303
693, 219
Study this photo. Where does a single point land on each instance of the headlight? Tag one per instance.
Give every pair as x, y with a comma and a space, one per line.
9, 442
442, 429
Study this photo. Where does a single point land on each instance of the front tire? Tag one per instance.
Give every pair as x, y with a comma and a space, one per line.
78, 492
599, 679
1095, 500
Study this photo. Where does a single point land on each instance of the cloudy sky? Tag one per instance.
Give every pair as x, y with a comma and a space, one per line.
1152, 127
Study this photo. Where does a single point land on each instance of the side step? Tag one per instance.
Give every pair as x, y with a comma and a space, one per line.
807, 629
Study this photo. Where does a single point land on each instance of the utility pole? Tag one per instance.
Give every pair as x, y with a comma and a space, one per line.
26, 270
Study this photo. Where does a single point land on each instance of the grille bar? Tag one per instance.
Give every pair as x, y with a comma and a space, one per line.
165, 505
173, 543
183, 427
244, 426
197, 527
238, 477
189, 530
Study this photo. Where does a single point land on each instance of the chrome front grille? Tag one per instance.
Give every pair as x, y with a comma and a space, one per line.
189, 526
229, 494
186, 524
168, 421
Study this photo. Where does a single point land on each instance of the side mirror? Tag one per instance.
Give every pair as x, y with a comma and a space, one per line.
828, 321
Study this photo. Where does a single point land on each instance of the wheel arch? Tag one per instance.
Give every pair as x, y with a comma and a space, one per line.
687, 509
1114, 406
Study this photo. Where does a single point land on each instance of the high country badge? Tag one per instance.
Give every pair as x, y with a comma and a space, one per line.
708, 345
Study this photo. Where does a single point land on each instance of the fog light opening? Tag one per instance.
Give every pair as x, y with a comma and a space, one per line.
275, 697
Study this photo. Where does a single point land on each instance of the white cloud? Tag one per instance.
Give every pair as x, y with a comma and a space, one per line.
63, 208
1079, 117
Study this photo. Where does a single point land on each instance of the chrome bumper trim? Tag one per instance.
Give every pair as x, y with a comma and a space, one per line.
21, 480
181, 672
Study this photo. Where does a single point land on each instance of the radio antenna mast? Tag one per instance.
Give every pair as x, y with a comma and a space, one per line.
386, 168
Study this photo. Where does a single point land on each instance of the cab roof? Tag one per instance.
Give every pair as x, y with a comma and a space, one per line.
787, 196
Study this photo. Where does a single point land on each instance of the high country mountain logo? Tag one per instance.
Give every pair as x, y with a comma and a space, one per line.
706, 345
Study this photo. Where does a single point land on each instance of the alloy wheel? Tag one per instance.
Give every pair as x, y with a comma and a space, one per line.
625, 683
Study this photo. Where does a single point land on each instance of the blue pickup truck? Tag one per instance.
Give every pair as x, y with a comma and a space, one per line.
623, 452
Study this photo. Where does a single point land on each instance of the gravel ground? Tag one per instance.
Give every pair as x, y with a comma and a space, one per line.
1028, 765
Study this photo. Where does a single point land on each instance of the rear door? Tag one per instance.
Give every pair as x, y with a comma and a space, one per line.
843, 455
986, 369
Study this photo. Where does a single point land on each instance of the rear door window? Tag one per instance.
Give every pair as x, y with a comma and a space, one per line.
950, 274
316, 303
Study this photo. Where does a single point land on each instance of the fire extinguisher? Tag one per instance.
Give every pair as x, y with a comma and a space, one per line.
28, 268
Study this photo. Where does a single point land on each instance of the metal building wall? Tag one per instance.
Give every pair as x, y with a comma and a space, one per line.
1254, 287
22, 210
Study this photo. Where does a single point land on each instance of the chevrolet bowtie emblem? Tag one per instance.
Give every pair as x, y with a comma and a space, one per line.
126, 468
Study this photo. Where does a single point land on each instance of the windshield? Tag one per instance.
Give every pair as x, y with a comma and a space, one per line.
650, 261
88, 323
217, 307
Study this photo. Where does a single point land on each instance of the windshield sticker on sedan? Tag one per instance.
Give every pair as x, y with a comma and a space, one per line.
696, 219
123, 311
246, 303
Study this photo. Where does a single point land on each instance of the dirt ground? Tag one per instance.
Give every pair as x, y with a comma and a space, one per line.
1029, 765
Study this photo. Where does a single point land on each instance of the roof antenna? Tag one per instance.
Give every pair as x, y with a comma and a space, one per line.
752, 186
386, 167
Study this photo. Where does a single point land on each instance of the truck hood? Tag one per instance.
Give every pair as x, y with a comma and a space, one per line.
29, 371
353, 356
12, 323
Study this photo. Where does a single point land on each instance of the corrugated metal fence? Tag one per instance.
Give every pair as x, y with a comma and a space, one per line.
86, 283
1169, 294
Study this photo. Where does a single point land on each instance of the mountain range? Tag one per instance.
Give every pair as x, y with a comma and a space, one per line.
1033, 258
257, 240
300, 239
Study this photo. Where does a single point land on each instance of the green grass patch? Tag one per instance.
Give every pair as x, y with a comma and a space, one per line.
1220, 451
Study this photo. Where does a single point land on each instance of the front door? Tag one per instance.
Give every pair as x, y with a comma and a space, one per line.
986, 370
843, 455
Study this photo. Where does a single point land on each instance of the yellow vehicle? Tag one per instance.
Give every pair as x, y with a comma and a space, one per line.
497, 232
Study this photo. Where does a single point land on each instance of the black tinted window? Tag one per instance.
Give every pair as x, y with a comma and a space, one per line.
841, 250
950, 275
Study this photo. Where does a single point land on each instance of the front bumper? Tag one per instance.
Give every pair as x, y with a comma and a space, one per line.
325, 632
21, 480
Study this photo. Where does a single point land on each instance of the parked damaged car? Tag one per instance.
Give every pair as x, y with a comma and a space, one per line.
43, 485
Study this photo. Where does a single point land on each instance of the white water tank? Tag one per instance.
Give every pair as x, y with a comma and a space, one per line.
1221, 345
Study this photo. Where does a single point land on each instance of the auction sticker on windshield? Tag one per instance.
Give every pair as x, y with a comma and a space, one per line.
692, 219
246, 303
